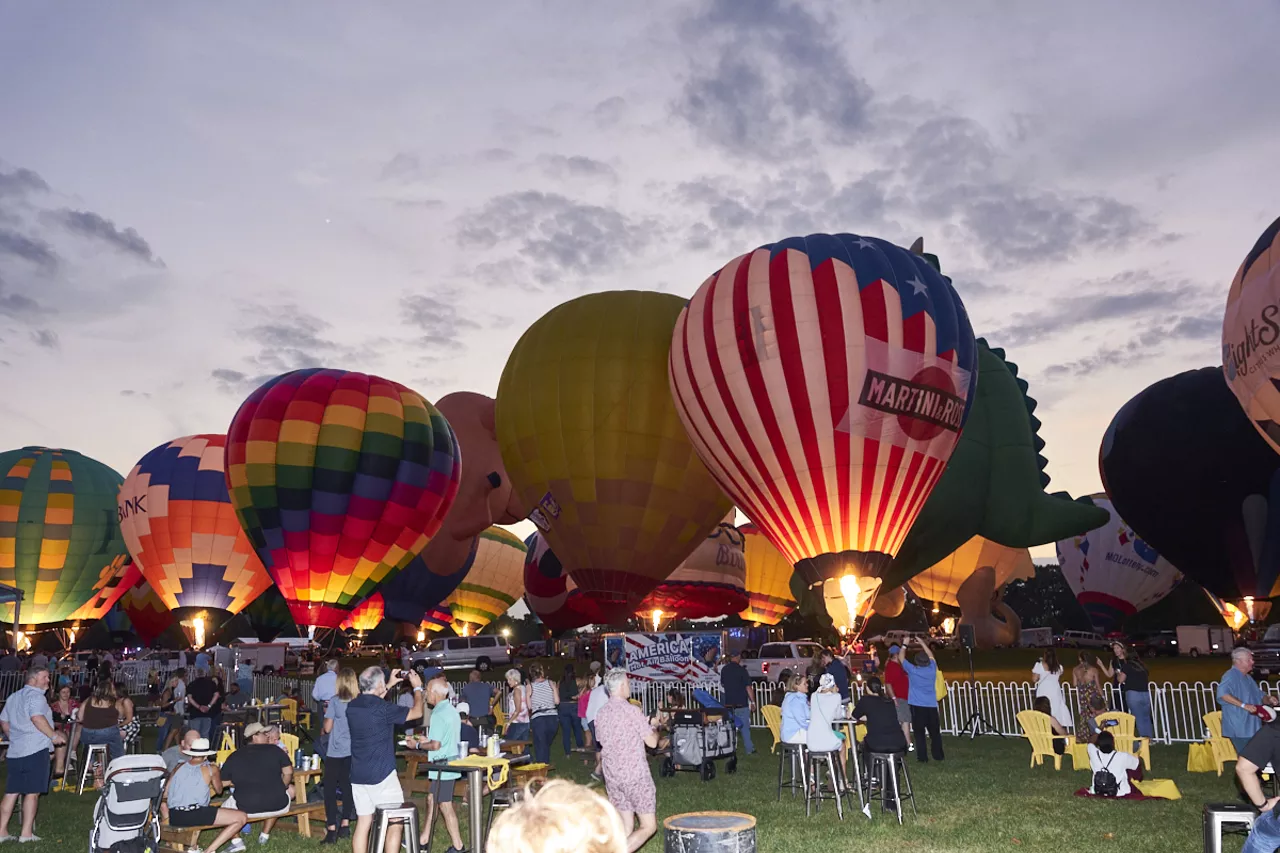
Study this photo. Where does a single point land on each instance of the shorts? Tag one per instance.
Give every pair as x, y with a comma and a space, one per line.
904, 710
367, 798
442, 789
199, 816
29, 774
230, 803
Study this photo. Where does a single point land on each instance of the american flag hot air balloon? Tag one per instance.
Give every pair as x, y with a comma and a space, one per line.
824, 381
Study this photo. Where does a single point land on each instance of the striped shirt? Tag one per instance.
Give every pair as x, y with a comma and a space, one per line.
542, 699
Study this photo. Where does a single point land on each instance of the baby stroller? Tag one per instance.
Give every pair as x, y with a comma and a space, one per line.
129, 807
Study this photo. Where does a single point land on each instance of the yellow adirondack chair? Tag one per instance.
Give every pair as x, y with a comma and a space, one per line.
1038, 730
1223, 749
773, 719
1126, 740
291, 742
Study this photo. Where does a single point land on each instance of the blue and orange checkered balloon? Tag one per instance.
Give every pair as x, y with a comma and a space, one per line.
339, 479
180, 527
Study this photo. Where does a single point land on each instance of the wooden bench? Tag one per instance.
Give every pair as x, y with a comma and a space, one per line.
178, 839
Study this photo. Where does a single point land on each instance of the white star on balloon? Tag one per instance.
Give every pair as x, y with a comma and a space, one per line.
917, 286
864, 243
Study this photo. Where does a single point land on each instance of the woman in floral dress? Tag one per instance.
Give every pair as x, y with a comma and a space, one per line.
1088, 681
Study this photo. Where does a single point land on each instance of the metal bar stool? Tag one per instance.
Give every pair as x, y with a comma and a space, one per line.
887, 765
502, 798
819, 761
385, 815
1217, 816
853, 774
92, 749
792, 754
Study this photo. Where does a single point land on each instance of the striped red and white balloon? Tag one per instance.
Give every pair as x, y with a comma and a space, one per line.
824, 381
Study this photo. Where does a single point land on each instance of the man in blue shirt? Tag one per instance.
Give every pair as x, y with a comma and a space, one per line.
922, 698
837, 670
1239, 696
27, 720
372, 722
738, 696
441, 743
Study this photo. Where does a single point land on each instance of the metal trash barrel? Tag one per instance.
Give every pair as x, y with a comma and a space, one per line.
710, 832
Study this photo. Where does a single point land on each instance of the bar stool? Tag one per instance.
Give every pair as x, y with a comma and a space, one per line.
792, 753
98, 749
819, 761
887, 765
385, 815
853, 774
502, 798
1216, 818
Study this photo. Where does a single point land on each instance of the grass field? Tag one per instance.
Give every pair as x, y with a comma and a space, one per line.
982, 798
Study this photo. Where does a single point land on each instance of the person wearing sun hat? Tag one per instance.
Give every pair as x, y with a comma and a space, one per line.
187, 798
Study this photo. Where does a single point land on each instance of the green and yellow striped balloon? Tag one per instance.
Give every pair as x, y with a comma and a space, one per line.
495, 582
58, 530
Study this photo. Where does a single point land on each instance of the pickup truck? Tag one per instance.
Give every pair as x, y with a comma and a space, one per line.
1266, 652
777, 658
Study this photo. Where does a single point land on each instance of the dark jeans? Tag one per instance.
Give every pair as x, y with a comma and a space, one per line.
109, 736
925, 720
570, 724
544, 732
337, 775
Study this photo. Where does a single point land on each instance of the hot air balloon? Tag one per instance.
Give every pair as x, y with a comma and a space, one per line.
1113, 572
492, 586
268, 616
824, 380
549, 591
1251, 332
147, 613
366, 616
592, 442
710, 582
768, 579
182, 531
58, 530
436, 619
484, 498
338, 479
941, 582
1186, 468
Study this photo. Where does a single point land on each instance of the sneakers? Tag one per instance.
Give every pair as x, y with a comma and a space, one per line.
237, 845
6, 837
263, 838
597, 777
23, 839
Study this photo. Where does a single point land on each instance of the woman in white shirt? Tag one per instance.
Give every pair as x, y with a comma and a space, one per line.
1047, 671
824, 709
1103, 754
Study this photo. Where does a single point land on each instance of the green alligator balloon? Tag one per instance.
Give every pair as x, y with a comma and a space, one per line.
993, 486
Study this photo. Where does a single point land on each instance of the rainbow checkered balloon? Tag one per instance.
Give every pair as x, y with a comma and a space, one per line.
58, 531
339, 479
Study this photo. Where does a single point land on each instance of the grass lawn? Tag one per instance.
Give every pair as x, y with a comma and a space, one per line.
982, 798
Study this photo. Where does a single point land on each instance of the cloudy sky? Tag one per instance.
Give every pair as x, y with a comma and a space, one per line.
196, 196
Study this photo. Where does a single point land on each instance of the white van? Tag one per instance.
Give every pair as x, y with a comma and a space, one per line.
482, 652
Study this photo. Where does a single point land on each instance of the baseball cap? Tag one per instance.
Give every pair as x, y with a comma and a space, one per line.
894, 649
253, 729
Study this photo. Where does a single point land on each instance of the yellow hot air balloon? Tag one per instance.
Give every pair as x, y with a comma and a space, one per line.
769, 597
941, 581
495, 582
592, 442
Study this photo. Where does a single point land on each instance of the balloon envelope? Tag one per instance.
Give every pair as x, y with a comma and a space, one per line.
147, 613
494, 583
1251, 333
768, 579
824, 380
1114, 572
710, 582
113, 582
550, 593
422, 585
58, 530
338, 479
366, 616
592, 442
179, 525
1184, 466
941, 581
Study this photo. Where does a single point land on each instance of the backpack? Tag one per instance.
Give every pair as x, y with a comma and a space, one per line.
1104, 781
